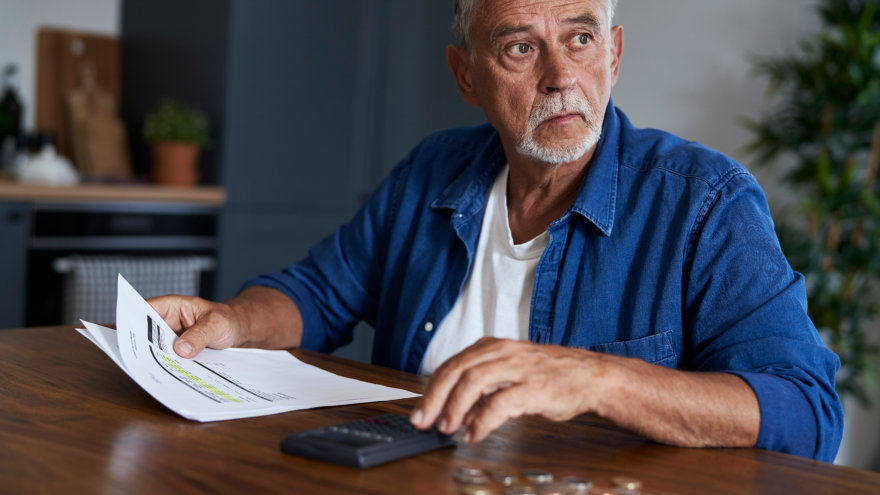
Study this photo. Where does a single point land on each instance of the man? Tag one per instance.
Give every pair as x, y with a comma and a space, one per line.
598, 268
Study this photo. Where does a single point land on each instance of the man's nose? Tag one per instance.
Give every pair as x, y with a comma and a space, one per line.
557, 74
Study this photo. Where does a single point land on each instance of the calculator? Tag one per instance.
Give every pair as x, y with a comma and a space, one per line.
365, 442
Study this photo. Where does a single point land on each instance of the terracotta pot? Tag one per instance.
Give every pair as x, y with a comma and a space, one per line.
175, 163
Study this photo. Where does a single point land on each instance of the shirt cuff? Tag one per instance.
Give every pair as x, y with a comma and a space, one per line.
788, 423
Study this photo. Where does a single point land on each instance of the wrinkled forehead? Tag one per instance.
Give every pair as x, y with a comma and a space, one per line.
492, 13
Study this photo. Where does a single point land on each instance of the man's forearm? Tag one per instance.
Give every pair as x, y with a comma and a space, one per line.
269, 319
692, 409
497, 379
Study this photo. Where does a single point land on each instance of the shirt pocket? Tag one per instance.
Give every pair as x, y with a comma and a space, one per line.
656, 349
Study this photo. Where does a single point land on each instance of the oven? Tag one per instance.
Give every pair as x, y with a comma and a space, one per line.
141, 236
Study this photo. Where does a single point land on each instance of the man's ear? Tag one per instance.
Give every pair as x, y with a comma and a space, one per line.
460, 65
617, 51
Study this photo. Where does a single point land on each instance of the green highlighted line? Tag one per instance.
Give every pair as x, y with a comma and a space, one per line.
196, 379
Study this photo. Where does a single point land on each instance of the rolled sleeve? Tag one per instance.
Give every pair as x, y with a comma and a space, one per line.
748, 315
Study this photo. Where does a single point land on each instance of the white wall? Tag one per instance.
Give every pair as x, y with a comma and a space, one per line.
686, 64
19, 20
686, 69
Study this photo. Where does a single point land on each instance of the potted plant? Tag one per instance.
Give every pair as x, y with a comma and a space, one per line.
826, 124
176, 135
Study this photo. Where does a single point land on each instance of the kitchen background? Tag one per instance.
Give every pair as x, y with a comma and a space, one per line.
311, 103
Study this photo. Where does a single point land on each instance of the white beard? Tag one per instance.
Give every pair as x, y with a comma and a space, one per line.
558, 154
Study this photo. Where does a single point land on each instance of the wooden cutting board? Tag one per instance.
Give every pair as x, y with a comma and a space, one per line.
62, 55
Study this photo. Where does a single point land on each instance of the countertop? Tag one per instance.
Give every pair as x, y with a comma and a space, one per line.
206, 195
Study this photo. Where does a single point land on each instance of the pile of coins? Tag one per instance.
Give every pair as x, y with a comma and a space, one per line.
476, 481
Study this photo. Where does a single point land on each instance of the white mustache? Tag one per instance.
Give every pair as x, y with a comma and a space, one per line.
559, 104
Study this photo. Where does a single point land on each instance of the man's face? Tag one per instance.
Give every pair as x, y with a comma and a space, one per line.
542, 70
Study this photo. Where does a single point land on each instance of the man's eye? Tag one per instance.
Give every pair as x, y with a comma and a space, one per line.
583, 39
520, 49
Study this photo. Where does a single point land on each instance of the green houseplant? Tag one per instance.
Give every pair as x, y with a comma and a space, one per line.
176, 135
826, 124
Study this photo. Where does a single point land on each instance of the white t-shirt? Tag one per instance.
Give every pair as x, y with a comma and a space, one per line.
496, 298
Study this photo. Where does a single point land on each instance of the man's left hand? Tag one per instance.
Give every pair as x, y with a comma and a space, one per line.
497, 379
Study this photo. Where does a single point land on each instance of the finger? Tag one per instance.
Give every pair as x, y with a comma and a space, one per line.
212, 329
474, 384
179, 312
191, 342
493, 411
445, 377
194, 340
166, 306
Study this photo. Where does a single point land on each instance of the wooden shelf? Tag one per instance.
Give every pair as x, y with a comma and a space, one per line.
207, 195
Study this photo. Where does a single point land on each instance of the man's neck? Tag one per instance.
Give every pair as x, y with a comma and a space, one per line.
538, 194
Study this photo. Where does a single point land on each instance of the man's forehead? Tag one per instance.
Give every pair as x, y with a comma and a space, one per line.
493, 13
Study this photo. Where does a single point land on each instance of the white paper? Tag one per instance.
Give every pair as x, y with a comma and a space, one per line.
218, 385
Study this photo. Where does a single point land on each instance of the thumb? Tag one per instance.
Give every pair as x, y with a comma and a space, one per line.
192, 341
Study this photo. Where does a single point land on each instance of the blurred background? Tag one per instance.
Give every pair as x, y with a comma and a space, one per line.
310, 104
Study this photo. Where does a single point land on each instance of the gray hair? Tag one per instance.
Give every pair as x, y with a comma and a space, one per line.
465, 10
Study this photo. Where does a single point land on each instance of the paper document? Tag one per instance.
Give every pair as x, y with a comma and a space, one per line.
218, 385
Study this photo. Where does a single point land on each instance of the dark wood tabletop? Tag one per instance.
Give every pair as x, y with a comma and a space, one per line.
72, 422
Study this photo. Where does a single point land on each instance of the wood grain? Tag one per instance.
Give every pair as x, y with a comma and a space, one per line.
207, 195
72, 422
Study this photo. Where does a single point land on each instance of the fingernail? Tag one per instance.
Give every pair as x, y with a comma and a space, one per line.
416, 417
184, 348
467, 437
442, 425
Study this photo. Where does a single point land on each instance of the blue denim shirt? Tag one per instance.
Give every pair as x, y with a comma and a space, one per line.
668, 254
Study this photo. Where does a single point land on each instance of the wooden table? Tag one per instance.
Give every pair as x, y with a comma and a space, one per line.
72, 422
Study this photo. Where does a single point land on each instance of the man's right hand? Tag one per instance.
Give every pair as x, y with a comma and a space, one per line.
200, 323
257, 317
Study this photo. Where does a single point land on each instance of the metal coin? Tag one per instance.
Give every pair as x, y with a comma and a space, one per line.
467, 479
520, 489
579, 485
476, 490
502, 476
468, 470
555, 488
538, 476
626, 483
470, 475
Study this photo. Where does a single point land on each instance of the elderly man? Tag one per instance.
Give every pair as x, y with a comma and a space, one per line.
558, 261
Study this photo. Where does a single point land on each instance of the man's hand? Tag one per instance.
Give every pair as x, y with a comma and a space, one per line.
200, 323
258, 317
496, 379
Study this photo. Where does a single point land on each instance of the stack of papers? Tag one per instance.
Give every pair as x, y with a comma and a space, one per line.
219, 385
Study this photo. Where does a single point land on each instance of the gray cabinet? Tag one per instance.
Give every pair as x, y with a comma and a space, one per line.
322, 100
319, 101
14, 235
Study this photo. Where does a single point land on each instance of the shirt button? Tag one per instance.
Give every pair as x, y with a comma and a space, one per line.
429, 326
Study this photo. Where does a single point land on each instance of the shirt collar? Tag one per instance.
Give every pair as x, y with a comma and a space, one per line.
595, 200
598, 193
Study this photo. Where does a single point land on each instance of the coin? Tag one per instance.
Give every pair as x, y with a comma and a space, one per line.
502, 476
579, 485
470, 475
538, 476
467, 479
520, 489
468, 470
555, 488
475, 490
626, 483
